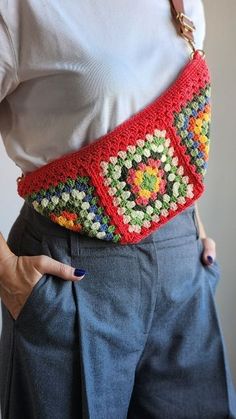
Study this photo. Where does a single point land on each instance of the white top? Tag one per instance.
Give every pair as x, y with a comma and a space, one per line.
71, 71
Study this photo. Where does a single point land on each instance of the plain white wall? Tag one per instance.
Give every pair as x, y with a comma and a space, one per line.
218, 204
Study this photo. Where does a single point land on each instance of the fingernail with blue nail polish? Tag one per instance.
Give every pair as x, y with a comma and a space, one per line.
210, 259
79, 272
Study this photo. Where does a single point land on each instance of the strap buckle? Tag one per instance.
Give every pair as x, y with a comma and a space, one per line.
18, 180
187, 28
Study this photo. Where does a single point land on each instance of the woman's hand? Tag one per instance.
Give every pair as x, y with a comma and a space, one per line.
209, 251
19, 274
209, 246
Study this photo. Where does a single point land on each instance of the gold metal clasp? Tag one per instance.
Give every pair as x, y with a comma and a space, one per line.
187, 28
186, 22
18, 180
201, 52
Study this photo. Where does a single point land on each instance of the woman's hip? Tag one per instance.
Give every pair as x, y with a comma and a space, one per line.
182, 226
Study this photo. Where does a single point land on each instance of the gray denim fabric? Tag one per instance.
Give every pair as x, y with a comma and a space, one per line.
139, 337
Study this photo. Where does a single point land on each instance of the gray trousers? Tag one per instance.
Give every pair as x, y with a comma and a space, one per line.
138, 337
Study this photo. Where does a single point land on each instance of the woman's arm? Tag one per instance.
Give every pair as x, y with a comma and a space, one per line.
4, 250
202, 231
209, 252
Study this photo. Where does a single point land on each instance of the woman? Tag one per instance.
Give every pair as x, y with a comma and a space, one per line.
93, 329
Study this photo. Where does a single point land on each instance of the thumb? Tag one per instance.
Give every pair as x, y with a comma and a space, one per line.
51, 266
209, 251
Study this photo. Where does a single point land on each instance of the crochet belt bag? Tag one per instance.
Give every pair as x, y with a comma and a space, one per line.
140, 175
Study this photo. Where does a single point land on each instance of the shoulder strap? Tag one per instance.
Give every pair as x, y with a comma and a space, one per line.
184, 24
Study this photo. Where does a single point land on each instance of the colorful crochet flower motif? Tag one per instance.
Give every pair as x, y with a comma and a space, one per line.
66, 219
146, 181
74, 204
193, 126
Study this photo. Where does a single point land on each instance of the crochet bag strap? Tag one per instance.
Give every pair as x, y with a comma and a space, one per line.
184, 24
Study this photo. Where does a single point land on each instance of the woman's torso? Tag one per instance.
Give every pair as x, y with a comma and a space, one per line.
85, 67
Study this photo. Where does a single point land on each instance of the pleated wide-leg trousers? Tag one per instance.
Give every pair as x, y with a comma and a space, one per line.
138, 337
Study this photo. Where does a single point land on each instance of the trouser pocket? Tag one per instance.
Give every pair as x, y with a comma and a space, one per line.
46, 341
7, 347
212, 271
25, 241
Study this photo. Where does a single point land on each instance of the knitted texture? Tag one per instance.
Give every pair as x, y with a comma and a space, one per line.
137, 177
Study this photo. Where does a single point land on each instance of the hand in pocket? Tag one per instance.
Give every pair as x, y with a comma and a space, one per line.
208, 255
19, 275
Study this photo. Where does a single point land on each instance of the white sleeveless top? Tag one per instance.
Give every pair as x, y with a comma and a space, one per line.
71, 71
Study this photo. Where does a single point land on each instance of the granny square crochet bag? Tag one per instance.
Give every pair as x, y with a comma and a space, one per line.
141, 174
